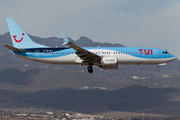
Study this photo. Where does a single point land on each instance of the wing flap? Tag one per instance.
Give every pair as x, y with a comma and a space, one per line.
82, 51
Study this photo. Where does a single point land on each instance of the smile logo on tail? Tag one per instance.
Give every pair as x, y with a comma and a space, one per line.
18, 41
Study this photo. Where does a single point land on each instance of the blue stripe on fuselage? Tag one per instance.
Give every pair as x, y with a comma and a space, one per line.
147, 53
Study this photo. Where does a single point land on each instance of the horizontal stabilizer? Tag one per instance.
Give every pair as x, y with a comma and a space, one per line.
14, 49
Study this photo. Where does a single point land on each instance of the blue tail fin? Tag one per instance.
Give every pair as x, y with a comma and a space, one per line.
19, 38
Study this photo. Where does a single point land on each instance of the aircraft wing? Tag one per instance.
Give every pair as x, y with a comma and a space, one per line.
81, 52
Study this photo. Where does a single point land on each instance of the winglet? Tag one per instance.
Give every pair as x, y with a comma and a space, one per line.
66, 40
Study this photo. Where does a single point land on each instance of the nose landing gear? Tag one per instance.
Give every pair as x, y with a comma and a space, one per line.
160, 64
90, 69
158, 69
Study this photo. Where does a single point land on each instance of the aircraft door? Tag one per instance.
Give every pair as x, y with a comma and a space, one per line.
155, 53
37, 53
102, 53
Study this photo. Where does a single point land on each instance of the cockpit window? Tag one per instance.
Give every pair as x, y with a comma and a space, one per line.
165, 52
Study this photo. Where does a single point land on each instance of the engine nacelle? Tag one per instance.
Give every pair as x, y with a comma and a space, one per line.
109, 63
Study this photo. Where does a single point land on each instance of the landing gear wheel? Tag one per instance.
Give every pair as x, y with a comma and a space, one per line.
90, 69
158, 69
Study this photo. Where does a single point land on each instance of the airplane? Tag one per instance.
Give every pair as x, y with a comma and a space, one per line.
107, 58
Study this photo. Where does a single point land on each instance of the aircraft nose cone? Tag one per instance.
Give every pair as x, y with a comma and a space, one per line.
172, 57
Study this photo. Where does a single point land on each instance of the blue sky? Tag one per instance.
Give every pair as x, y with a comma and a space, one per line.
133, 23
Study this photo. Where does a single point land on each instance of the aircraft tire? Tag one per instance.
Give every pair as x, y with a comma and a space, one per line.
90, 69
158, 69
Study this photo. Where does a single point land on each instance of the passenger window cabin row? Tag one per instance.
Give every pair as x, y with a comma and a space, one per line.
95, 53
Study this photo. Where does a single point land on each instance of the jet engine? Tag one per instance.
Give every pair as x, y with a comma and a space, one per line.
109, 63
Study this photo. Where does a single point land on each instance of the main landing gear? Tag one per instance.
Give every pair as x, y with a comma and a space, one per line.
90, 69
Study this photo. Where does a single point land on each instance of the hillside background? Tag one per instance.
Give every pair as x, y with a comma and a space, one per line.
25, 83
